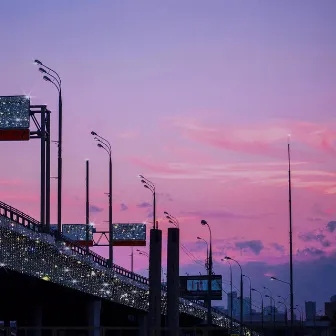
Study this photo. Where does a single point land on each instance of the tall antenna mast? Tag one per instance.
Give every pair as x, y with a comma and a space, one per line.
290, 237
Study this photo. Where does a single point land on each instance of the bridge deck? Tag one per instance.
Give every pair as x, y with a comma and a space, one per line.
25, 248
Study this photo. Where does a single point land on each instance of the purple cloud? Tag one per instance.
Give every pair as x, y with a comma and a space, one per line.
95, 209
278, 247
331, 226
123, 207
256, 246
144, 205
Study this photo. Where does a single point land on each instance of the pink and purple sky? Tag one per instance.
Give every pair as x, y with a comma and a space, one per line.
198, 96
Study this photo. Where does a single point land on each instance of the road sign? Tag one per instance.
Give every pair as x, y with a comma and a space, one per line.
14, 134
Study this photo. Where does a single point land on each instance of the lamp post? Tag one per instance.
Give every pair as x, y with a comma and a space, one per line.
271, 295
105, 144
53, 77
209, 315
262, 307
231, 296
290, 239
301, 314
149, 185
272, 299
285, 305
207, 252
241, 294
247, 277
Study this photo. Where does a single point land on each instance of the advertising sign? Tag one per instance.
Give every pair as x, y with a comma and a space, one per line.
129, 234
14, 118
196, 287
76, 232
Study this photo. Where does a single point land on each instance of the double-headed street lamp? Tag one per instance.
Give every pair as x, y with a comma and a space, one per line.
272, 299
53, 77
209, 314
262, 307
241, 294
247, 277
105, 144
150, 185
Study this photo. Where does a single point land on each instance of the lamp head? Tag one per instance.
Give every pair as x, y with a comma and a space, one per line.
146, 186
42, 70
38, 62
100, 145
46, 78
166, 213
143, 181
267, 295
253, 289
227, 258
273, 278
141, 176
199, 238
167, 217
93, 133
204, 222
171, 222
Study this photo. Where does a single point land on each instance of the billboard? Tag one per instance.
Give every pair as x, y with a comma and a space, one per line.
129, 234
196, 287
76, 232
14, 118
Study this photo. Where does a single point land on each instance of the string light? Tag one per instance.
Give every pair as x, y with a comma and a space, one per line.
39, 255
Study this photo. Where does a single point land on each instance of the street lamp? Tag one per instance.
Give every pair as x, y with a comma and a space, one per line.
172, 220
276, 279
284, 303
209, 315
301, 314
207, 252
272, 299
53, 77
231, 296
105, 144
241, 294
262, 307
149, 185
246, 276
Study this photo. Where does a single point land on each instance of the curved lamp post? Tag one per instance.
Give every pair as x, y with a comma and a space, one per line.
207, 252
172, 220
105, 144
209, 315
149, 185
283, 302
241, 294
272, 299
262, 307
231, 296
247, 277
53, 77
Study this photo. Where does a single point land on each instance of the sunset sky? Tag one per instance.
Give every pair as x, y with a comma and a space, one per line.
199, 97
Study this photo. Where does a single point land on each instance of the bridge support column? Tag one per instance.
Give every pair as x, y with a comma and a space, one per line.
173, 281
94, 308
155, 259
143, 325
33, 320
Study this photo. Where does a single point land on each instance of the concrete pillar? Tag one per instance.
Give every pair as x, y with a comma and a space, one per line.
155, 260
143, 325
33, 320
173, 281
94, 308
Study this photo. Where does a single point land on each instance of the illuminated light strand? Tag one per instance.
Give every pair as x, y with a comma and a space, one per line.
39, 255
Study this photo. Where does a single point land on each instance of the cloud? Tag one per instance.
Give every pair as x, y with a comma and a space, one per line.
310, 252
267, 139
256, 246
217, 214
166, 196
144, 205
95, 208
331, 226
278, 247
314, 219
123, 207
312, 236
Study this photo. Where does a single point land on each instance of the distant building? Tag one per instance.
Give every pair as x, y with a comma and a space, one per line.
310, 307
330, 308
